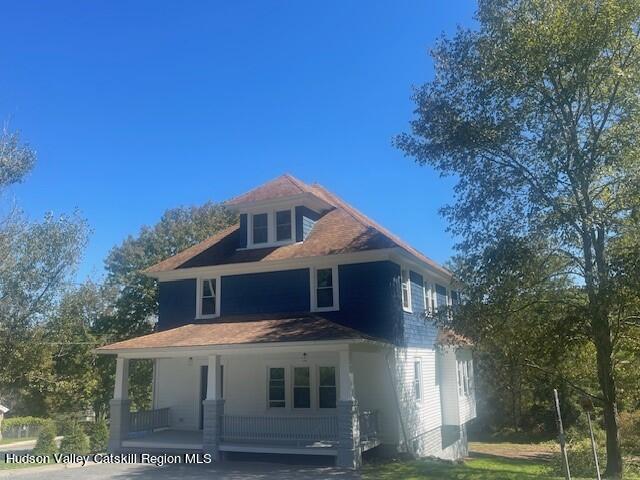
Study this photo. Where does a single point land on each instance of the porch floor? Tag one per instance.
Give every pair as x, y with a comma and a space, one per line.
192, 440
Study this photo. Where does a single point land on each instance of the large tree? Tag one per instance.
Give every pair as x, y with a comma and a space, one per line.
36, 261
537, 114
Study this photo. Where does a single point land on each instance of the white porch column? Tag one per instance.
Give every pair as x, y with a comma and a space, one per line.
119, 406
349, 452
213, 378
213, 408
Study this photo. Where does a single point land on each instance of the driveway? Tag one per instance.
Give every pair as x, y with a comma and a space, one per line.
231, 470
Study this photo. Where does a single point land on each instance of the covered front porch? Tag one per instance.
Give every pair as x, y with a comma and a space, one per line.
310, 398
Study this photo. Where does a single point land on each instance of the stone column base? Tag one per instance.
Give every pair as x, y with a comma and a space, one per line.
213, 410
118, 424
349, 452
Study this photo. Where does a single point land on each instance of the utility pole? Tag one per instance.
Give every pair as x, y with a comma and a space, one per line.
561, 438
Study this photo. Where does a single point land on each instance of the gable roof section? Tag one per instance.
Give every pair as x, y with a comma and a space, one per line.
341, 230
243, 330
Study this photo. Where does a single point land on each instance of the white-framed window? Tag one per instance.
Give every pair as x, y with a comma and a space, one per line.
271, 228
284, 225
406, 290
301, 387
208, 297
325, 291
417, 379
327, 387
277, 387
465, 381
441, 297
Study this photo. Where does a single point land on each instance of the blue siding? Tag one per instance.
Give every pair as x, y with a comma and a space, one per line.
242, 232
418, 330
370, 299
269, 292
177, 303
305, 220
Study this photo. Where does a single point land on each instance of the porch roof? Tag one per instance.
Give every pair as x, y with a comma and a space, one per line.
243, 330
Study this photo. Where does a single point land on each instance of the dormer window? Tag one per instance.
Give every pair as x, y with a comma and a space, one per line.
271, 228
260, 228
284, 231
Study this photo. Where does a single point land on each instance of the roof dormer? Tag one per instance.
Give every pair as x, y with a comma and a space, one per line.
277, 213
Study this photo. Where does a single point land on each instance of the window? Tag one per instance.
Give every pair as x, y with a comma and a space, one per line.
417, 379
276, 388
441, 296
325, 292
208, 298
406, 290
283, 226
301, 387
327, 391
260, 232
465, 381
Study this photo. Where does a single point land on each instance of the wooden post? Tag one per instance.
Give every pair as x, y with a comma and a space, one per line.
561, 438
593, 446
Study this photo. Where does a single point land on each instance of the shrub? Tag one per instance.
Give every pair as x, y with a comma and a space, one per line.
75, 441
630, 432
18, 427
581, 461
99, 436
46, 444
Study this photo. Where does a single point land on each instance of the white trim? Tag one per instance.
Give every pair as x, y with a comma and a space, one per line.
335, 282
286, 400
336, 379
293, 387
200, 291
409, 308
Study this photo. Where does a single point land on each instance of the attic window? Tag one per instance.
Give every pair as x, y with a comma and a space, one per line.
283, 226
260, 228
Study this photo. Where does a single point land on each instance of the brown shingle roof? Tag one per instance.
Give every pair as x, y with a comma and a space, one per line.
243, 330
449, 338
342, 230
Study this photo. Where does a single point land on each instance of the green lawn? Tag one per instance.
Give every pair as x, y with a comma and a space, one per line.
485, 468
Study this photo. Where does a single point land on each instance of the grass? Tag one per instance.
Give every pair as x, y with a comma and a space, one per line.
481, 467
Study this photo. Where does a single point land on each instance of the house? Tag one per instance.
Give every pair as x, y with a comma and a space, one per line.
3, 410
302, 329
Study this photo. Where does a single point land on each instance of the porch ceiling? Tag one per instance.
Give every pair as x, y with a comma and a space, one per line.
243, 330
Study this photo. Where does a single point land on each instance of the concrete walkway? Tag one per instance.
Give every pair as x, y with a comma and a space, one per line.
231, 470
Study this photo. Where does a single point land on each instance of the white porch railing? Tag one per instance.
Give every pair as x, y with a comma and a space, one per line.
148, 420
279, 429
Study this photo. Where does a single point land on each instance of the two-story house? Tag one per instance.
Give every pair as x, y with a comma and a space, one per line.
302, 329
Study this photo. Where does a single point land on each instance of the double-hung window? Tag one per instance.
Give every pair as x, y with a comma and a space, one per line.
277, 387
406, 290
324, 289
260, 228
441, 296
208, 298
417, 379
465, 373
327, 389
283, 226
301, 387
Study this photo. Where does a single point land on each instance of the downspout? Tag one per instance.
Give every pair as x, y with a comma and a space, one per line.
398, 407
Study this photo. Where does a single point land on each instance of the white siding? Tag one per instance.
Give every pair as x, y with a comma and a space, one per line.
449, 380
467, 403
177, 387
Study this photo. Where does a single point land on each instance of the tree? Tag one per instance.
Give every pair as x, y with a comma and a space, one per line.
537, 113
46, 443
136, 304
36, 260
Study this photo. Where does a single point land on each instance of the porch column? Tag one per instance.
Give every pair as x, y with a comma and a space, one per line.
213, 410
349, 454
119, 406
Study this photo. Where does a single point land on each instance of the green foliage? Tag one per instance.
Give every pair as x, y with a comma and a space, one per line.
18, 422
630, 432
75, 440
99, 436
64, 424
46, 443
16, 158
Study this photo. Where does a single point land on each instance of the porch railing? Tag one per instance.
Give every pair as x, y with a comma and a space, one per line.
148, 420
368, 425
279, 429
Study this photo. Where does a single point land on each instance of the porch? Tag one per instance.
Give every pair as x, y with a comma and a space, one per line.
326, 399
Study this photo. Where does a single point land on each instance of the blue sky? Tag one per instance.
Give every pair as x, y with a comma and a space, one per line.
136, 107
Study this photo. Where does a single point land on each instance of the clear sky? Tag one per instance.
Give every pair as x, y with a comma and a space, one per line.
136, 107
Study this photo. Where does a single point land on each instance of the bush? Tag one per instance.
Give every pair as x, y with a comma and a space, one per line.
581, 462
630, 432
99, 436
75, 441
46, 444
20, 427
